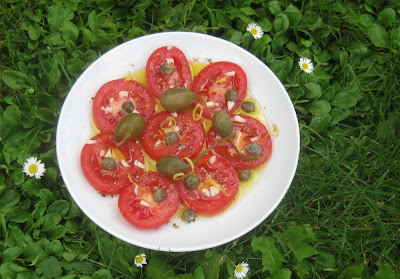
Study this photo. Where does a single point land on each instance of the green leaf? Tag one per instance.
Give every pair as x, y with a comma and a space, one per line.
337, 115
34, 31
319, 122
387, 17
312, 90
265, 24
293, 14
283, 273
51, 220
212, 264
159, 269
198, 273
69, 31
11, 253
12, 116
106, 248
281, 22
385, 272
8, 199
34, 253
50, 268
319, 107
59, 206
14, 79
352, 272
54, 248
102, 274
274, 7
378, 35
46, 115
272, 259
248, 11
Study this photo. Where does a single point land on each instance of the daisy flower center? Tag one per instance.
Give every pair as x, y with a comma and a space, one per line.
33, 168
239, 268
139, 259
254, 31
305, 65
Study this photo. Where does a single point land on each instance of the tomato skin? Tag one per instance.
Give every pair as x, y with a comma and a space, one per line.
156, 214
244, 131
157, 82
110, 182
137, 93
219, 172
191, 136
212, 83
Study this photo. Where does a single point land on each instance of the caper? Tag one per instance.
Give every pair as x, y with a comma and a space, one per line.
178, 98
191, 181
130, 126
167, 69
222, 123
189, 215
170, 165
254, 149
128, 107
244, 174
248, 106
159, 195
108, 163
231, 94
171, 137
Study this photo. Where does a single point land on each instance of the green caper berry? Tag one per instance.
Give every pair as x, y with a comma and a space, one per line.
170, 165
167, 69
222, 123
129, 126
244, 175
248, 107
171, 138
108, 163
128, 107
189, 215
159, 195
191, 181
178, 98
231, 95
254, 149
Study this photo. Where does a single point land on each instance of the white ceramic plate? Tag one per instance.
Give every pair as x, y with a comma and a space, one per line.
252, 207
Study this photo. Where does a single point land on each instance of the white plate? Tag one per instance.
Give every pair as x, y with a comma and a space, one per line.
252, 207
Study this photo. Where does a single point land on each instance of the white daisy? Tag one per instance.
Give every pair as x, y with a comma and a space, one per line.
255, 30
306, 65
241, 270
33, 167
140, 260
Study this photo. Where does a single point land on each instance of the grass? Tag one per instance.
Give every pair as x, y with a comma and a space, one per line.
340, 217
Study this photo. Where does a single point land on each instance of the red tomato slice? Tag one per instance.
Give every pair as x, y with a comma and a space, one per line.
181, 76
138, 206
218, 186
251, 131
191, 135
107, 104
102, 145
213, 81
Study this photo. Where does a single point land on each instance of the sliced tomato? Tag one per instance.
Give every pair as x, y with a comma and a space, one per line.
218, 186
248, 130
129, 157
138, 206
212, 83
190, 132
180, 75
107, 103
